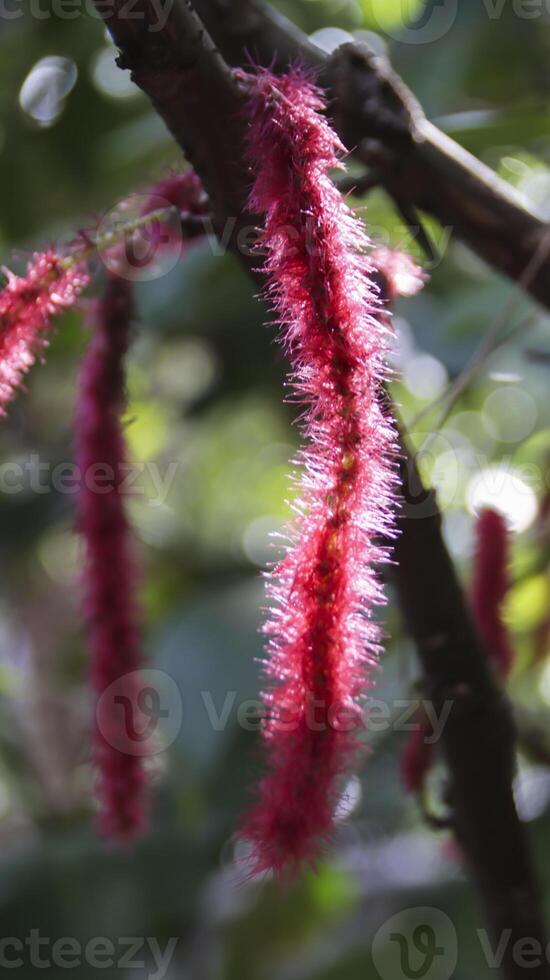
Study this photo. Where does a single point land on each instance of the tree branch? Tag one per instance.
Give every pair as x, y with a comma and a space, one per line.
417, 164
478, 740
201, 102
193, 90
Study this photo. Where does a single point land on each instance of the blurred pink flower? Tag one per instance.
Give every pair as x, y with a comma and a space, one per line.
27, 306
401, 275
491, 582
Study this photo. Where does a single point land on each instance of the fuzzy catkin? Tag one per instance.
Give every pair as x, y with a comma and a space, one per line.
491, 583
323, 640
110, 577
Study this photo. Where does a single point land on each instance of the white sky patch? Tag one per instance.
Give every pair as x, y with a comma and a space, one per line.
330, 38
502, 488
109, 78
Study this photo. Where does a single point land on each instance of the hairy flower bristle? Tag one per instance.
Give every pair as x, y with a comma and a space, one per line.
28, 304
324, 641
110, 576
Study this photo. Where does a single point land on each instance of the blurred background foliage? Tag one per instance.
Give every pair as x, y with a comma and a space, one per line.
205, 386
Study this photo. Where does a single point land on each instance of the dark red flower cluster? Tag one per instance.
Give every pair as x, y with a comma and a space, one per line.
185, 191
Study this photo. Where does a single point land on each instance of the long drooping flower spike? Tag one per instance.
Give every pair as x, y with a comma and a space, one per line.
110, 573
28, 306
324, 641
491, 583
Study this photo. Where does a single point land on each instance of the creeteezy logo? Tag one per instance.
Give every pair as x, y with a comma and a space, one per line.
418, 24
416, 944
141, 713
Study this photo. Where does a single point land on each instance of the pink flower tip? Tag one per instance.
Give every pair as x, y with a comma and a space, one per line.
28, 305
401, 275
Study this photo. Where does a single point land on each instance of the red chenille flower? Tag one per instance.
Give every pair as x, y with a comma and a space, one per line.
491, 582
324, 641
110, 574
27, 306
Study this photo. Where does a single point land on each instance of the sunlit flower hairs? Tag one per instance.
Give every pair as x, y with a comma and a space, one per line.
324, 640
